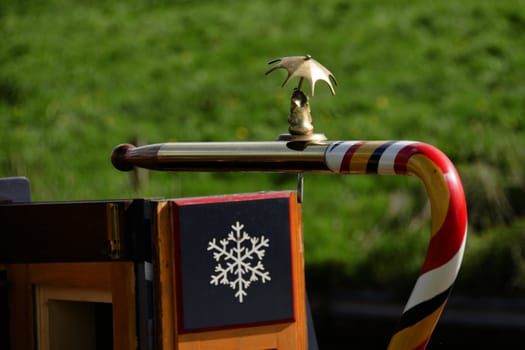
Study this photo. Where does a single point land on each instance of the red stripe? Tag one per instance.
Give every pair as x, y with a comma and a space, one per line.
449, 238
439, 158
345, 163
402, 157
447, 241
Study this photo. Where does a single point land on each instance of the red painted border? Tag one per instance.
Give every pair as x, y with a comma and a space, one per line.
232, 197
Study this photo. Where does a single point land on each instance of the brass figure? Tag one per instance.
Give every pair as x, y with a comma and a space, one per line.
300, 119
300, 125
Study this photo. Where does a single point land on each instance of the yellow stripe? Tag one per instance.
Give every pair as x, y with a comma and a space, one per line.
411, 337
361, 156
437, 189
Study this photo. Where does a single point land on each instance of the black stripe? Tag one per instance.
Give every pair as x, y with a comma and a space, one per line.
420, 311
373, 162
334, 145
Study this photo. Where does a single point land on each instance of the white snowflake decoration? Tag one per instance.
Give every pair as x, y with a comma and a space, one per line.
239, 271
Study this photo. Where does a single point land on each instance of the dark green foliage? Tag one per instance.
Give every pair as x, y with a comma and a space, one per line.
78, 78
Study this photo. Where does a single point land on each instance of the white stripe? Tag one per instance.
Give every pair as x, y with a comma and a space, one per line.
386, 162
436, 281
335, 154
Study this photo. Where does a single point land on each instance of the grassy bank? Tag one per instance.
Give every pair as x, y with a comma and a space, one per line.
78, 78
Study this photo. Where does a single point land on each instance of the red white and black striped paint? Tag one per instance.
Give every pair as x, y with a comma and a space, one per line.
449, 223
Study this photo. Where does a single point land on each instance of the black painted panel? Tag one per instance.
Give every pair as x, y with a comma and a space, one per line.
222, 241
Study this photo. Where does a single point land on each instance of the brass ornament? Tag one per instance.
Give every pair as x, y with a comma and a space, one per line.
300, 125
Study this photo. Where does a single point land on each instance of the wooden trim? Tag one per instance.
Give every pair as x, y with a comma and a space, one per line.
75, 275
124, 313
90, 295
299, 278
164, 279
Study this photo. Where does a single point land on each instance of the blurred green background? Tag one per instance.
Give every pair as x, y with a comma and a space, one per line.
78, 78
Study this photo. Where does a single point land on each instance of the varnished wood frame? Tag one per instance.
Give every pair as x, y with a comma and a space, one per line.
115, 278
280, 336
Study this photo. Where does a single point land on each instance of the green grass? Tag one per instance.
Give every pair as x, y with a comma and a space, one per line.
78, 78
